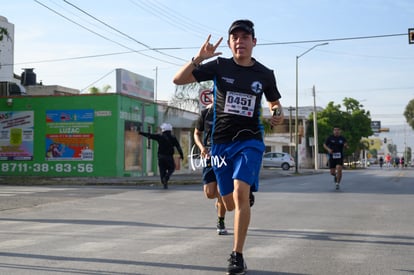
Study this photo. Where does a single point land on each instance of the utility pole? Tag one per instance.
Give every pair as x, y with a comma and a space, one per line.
156, 84
290, 109
315, 129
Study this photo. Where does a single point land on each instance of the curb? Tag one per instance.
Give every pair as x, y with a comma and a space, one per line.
176, 179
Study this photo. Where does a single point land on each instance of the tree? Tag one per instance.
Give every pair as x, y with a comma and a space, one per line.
351, 104
186, 97
3, 32
408, 154
355, 123
95, 90
409, 113
392, 148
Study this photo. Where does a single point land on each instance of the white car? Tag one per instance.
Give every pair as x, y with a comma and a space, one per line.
278, 159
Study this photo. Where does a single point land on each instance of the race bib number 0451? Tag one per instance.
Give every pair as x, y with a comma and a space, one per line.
240, 104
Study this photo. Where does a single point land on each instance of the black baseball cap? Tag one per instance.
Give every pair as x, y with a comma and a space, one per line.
245, 25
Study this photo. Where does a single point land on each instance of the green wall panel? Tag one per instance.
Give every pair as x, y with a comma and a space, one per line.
74, 136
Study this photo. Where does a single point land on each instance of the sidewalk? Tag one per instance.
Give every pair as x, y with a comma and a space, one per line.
179, 177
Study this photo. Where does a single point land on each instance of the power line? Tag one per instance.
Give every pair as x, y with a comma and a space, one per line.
120, 32
158, 49
169, 48
332, 39
187, 48
85, 20
388, 115
365, 90
302, 41
173, 17
165, 19
70, 58
100, 35
93, 83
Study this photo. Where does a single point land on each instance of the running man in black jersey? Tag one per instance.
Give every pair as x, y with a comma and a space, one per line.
335, 144
202, 138
237, 137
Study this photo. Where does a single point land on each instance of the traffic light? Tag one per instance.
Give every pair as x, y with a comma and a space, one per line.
411, 36
385, 140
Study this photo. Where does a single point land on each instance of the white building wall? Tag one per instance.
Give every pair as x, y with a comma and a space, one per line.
6, 51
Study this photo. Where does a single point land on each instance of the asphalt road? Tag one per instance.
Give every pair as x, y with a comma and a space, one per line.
299, 225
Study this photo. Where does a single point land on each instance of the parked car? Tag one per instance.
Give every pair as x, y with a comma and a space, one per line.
278, 159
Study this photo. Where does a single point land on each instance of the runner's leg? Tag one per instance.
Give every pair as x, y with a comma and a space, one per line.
241, 214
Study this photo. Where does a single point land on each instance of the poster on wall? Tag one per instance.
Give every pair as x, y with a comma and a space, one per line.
133, 145
16, 135
69, 135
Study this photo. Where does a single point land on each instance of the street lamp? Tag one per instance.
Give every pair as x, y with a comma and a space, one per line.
297, 107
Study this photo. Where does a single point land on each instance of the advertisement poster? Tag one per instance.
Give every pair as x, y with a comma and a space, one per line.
16, 135
133, 84
69, 135
133, 145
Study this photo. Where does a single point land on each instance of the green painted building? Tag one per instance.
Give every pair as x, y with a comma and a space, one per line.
79, 135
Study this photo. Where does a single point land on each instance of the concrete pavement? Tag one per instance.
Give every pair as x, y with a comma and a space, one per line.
300, 225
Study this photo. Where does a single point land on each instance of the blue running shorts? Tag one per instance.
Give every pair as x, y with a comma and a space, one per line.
240, 160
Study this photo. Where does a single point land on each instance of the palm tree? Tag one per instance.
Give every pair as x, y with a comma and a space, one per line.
95, 90
3, 32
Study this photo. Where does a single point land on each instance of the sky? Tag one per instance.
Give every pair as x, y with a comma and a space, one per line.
79, 44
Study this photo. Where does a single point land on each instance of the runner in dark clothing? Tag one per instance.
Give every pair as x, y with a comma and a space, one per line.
202, 138
166, 143
335, 144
